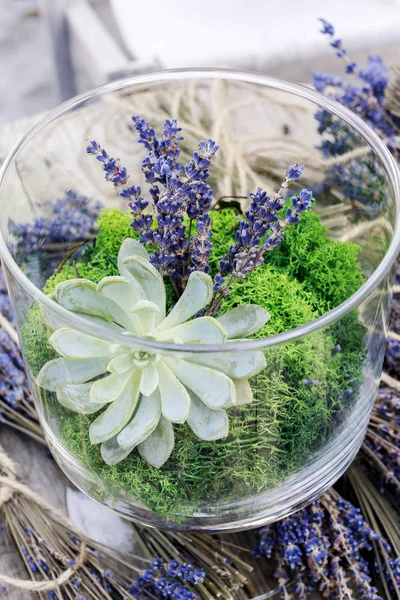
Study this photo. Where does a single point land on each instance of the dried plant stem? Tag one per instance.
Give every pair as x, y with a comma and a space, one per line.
45, 586
381, 518
69, 255
9, 329
55, 553
390, 381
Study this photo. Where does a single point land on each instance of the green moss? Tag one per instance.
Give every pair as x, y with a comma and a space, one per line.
114, 228
224, 226
100, 260
296, 398
35, 335
244, 463
327, 268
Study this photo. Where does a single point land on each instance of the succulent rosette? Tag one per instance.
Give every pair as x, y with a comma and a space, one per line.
140, 393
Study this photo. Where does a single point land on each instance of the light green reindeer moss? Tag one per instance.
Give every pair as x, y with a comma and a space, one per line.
297, 398
327, 268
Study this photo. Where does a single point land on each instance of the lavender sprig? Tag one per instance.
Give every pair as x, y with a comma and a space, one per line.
366, 100
322, 546
41, 245
184, 191
177, 191
112, 167
261, 230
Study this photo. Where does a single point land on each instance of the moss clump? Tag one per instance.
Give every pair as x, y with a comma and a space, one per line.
224, 226
101, 259
114, 228
327, 268
197, 471
35, 335
295, 397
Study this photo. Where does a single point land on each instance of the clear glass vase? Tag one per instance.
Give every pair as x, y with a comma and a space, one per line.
311, 401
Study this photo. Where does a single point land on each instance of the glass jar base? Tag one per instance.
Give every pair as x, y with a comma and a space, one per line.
293, 494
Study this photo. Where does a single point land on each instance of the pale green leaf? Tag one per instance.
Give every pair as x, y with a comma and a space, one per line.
157, 448
244, 393
77, 398
112, 453
197, 295
175, 400
234, 364
74, 344
63, 371
213, 388
130, 247
144, 314
122, 291
54, 321
149, 380
143, 423
244, 320
81, 295
109, 388
204, 330
206, 423
112, 420
150, 280
121, 363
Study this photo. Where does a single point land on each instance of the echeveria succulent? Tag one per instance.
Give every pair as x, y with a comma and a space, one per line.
140, 393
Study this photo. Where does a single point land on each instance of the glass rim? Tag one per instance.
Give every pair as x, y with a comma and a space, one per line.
266, 81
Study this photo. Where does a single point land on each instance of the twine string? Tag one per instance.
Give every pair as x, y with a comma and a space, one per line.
9, 487
7, 466
52, 584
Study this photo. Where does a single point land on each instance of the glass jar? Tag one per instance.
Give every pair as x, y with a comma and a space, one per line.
312, 399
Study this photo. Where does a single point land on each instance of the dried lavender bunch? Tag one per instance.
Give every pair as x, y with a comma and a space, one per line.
179, 193
16, 404
360, 179
225, 571
52, 548
322, 547
42, 244
384, 520
260, 231
367, 99
381, 447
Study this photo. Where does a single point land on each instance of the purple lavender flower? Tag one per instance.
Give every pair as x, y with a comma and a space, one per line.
327, 27
294, 172
261, 230
112, 167
322, 546
167, 580
41, 245
176, 191
366, 100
